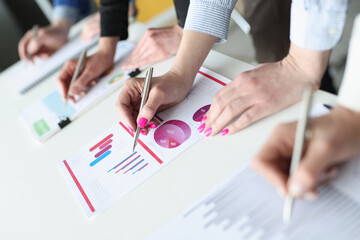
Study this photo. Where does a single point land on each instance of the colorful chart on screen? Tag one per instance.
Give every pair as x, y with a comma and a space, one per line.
116, 78
198, 115
172, 134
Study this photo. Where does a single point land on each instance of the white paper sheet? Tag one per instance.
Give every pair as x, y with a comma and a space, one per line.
246, 206
43, 116
31, 74
107, 169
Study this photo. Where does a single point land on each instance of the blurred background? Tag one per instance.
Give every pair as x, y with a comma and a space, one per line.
18, 16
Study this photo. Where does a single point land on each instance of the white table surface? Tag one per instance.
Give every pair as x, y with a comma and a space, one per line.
36, 202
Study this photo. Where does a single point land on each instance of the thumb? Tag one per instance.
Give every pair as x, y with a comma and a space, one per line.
314, 164
150, 108
34, 45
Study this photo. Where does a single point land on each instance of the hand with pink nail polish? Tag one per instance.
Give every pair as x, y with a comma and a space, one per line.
266, 89
165, 91
335, 139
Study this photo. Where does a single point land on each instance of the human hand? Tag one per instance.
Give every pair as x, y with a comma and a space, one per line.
93, 67
91, 27
335, 139
165, 91
48, 40
264, 90
155, 45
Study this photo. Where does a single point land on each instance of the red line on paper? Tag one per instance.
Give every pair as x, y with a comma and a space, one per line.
87, 200
105, 144
143, 145
212, 78
100, 143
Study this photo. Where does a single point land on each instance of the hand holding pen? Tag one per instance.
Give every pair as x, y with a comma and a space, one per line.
165, 91
334, 139
42, 42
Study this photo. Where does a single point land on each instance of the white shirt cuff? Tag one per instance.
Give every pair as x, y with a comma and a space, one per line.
317, 24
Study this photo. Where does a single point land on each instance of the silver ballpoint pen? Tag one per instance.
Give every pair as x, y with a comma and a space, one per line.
144, 96
302, 129
78, 68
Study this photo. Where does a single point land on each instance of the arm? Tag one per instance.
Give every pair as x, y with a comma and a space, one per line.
50, 38
114, 22
158, 44
271, 87
335, 138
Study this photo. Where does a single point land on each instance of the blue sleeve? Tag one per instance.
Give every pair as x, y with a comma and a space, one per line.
73, 10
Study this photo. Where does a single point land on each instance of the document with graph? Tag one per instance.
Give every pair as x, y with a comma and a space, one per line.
48, 115
32, 73
246, 206
107, 168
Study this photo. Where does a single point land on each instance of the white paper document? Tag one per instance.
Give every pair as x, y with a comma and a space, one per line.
107, 168
31, 74
46, 117
246, 206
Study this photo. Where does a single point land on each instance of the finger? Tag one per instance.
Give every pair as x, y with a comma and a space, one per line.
35, 45
313, 165
155, 100
44, 54
127, 103
153, 124
144, 131
65, 76
221, 99
149, 58
82, 82
273, 159
230, 112
23, 45
248, 117
137, 53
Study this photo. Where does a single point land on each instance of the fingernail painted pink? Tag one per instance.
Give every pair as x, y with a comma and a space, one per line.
143, 132
142, 122
203, 119
208, 132
224, 132
201, 128
152, 125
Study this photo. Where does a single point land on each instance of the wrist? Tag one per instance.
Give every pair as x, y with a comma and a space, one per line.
63, 25
107, 47
178, 29
310, 64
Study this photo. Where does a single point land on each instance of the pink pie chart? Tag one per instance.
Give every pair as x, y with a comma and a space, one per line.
198, 115
172, 134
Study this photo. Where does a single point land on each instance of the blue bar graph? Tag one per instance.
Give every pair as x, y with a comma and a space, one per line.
93, 163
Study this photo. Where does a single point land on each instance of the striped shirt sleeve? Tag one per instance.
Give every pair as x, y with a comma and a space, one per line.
349, 94
317, 24
211, 17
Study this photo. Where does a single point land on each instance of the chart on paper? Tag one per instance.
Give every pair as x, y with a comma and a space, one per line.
42, 117
107, 168
247, 207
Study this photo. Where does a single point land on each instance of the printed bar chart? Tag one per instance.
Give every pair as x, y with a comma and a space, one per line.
104, 147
